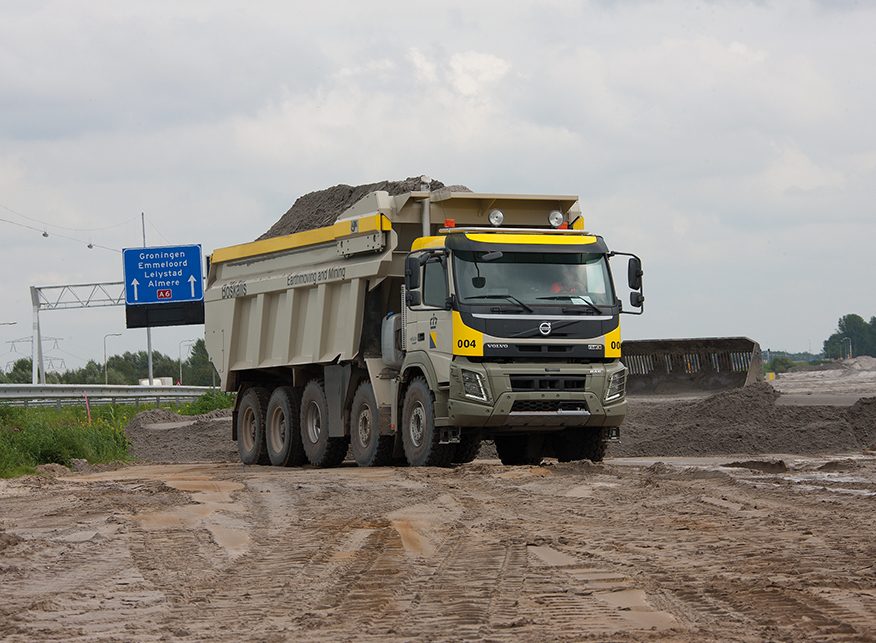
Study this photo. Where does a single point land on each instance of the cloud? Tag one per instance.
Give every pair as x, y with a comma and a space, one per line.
716, 140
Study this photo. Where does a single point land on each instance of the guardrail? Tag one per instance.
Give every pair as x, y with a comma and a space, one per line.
67, 394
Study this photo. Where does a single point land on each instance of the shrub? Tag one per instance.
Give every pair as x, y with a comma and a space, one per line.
34, 436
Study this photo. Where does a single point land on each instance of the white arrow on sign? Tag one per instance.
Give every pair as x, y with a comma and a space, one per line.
192, 282
135, 283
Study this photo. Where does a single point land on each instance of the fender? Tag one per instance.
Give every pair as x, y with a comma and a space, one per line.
420, 359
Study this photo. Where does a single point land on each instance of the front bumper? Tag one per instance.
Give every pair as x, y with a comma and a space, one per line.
514, 409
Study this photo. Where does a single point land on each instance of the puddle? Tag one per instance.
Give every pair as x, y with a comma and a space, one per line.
212, 508
637, 610
550, 557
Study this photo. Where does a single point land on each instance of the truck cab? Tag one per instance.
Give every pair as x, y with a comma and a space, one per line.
521, 328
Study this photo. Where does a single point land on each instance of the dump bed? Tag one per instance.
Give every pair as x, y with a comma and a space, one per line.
297, 299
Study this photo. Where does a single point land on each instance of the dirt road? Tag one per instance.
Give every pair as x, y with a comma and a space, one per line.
687, 550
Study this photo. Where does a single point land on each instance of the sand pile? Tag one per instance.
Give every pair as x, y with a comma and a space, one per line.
321, 208
158, 435
744, 420
862, 363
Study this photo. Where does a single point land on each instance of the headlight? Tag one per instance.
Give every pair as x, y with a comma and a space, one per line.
617, 386
473, 385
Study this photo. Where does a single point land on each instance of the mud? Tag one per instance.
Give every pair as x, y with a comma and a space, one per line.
683, 550
159, 435
322, 207
744, 421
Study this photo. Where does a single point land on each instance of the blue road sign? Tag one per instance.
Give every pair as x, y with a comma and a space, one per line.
163, 275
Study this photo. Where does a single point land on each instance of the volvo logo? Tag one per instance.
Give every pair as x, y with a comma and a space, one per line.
544, 328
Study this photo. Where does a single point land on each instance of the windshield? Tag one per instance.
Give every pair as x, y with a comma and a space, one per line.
533, 279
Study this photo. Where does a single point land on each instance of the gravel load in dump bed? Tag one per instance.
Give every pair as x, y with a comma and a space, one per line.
159, 435
321, 208
745, 420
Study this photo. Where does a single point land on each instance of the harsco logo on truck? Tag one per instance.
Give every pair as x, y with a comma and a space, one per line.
318, 276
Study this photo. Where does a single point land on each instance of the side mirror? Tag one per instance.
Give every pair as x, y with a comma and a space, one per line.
412, 272
479, 282
634, 273
413, 298
637, 299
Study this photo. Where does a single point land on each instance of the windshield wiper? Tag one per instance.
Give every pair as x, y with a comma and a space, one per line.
508, 297
580, 302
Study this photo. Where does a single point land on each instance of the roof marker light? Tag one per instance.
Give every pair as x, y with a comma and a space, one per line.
449, 223
496, 218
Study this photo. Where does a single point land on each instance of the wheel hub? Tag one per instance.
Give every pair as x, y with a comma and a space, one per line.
364, 426
314, 422
248, 430
416, 425
278, 427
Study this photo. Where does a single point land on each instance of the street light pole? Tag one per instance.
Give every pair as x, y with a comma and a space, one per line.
849, 340
148, 329
105, 372
185, 341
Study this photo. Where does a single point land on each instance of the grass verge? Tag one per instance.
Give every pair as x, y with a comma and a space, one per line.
34, 436
212, 401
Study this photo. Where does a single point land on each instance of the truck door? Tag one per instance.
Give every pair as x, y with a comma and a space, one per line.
429, 321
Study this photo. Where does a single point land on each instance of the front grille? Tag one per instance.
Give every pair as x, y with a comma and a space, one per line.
544, 348
522, 383
546, 406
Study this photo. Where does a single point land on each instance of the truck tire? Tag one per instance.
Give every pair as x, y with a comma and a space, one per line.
367, 446
468, 447
251, 426
282, 429
321, 450
420, 437
579, 444
516, 450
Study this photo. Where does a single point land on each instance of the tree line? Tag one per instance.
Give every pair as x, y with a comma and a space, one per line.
852, 328
128, 368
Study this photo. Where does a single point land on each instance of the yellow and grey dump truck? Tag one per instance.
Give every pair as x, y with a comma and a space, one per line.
418, 325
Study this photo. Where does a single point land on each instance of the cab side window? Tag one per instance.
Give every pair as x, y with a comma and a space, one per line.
434, 285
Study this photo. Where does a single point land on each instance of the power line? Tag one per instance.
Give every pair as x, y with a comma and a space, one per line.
88, 244
152, 225
61, 227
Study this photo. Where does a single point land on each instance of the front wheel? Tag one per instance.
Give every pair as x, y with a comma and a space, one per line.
420, 437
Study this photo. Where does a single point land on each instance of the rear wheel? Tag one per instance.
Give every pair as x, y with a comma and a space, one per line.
579, 444
367, 446
519, 449
468, 447
251, 426
420, 436
282, 434
321, 450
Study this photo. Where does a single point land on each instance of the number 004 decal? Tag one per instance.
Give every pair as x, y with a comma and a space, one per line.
466, 341
613, 343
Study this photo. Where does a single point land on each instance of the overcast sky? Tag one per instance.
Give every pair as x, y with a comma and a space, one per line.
731, 145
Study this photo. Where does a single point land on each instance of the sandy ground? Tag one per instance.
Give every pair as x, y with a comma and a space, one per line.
630, 550
680, 543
